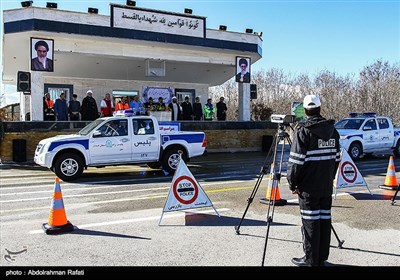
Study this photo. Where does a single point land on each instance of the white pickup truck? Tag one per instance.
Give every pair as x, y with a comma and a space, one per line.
367, 134
118, 140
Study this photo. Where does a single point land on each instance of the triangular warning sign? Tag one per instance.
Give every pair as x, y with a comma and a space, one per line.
347, 174
185, 192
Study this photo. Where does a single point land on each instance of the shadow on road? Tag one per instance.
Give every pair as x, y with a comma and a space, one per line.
369, 251
102, 233
367, 196
213, 220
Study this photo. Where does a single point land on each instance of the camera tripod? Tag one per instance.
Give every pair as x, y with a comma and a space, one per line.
275, 176
270, 160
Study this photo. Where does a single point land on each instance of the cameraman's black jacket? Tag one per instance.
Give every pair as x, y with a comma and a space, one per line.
314, 157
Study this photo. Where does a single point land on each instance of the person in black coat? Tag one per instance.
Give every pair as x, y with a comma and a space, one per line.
221, 109
74, 108
197, 109
89, 110
187, 110
313, 162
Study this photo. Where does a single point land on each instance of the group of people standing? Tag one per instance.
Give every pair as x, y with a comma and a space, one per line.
184, 111
188, 112
221, 110
73, 110
61, 110
58, 110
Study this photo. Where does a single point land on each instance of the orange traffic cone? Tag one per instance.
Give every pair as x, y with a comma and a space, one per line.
273, 191
57, 218
390, 180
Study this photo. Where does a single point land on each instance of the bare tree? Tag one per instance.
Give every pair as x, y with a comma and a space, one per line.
379, 88
336, 92
376, 89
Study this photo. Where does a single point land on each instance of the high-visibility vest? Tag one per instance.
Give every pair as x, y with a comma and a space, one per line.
49, 103
121, 106
208, 112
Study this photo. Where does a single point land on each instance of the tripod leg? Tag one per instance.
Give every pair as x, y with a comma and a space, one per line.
271, 205
395, 194
250, 199
269, 159
269, 220
340, 242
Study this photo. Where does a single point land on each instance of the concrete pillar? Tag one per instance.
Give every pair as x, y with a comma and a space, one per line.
24, 106
37, 88
244, 101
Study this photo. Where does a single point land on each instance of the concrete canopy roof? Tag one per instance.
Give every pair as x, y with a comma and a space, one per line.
81, 55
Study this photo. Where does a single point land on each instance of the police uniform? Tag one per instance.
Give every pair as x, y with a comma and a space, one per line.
313, 161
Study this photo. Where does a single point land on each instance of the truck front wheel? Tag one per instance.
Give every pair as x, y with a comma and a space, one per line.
171, 159
397, 149
355, 151
68, 167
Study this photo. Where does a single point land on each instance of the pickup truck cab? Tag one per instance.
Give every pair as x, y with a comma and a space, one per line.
118, 140
367, 133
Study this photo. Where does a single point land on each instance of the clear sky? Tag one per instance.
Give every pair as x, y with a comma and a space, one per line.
299, 36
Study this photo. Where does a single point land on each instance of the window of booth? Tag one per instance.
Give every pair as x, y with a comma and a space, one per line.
118, 94
182, 93
56, 89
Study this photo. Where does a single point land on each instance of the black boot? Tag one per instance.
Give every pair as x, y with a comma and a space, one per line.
301, 261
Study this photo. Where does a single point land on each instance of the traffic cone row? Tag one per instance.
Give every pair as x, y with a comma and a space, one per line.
58, 222
391, 179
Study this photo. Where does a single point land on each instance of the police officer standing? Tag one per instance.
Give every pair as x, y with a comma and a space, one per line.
313, 161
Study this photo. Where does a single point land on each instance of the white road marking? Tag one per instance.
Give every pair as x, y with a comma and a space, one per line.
166, 216
95, 193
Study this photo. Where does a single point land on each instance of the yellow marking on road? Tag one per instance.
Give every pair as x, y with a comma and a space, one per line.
228, 189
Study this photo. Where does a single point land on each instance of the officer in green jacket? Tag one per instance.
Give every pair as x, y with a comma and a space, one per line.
209, 110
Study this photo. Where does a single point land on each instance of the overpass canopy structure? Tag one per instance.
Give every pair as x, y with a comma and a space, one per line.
128, 50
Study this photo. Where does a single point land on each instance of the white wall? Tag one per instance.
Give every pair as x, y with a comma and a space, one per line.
101, 87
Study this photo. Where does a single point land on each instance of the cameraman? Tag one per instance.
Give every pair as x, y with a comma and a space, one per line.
313, 161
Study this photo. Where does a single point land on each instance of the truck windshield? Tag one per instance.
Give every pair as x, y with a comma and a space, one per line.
349, 124
87, 129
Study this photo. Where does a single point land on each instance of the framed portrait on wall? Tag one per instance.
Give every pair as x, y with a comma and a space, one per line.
243, 69
42, 54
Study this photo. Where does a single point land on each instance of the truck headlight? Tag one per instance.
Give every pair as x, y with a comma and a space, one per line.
40, 148
343, 137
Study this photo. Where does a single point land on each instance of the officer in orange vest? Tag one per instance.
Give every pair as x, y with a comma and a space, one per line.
122, 105
48, 108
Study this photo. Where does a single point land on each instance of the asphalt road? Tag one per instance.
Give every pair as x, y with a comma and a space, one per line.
116, 213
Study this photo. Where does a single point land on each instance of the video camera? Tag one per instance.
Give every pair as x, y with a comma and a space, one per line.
283, 119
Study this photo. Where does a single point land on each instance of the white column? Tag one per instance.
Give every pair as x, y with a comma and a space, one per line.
244, 101
37, 93
24, 106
